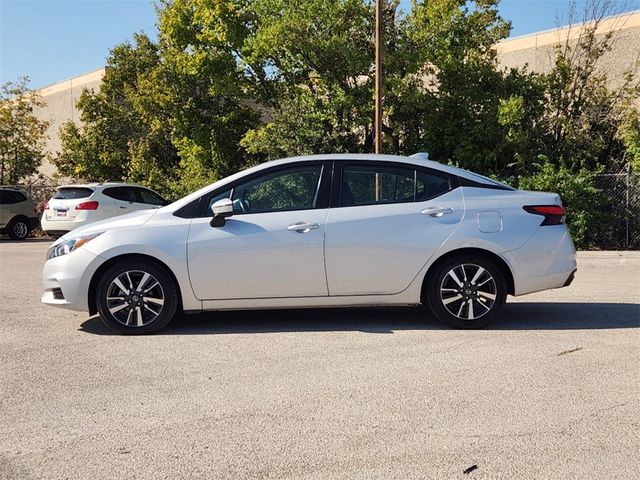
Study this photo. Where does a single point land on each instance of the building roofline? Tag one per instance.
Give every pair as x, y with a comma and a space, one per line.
554, 36
77, 81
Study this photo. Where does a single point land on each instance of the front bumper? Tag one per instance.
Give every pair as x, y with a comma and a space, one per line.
66, 279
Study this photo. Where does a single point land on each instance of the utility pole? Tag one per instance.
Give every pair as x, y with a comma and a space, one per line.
378, 87
378, 95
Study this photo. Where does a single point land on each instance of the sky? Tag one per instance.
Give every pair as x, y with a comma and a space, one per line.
52, 40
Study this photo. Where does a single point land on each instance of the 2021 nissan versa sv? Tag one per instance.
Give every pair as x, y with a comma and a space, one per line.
318, 231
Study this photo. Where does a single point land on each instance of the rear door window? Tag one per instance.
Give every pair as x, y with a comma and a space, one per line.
72, 193
370, 185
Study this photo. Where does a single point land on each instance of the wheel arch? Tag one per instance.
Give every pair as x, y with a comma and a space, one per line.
22, 217
502, 264
93, 284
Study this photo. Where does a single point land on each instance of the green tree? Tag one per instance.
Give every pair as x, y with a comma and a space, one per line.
202, 81
235, 82
22, 134
125, 132
452, 47
163, 117
579, 194
441, 84
573, 115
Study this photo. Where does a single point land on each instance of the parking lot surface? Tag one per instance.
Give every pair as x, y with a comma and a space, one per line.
551, 390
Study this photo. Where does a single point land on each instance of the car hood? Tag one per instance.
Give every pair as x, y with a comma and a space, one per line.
129, 220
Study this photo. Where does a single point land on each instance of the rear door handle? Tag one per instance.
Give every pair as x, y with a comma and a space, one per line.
437, 211
302, 227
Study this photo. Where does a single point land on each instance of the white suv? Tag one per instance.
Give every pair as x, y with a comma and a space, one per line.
75, 205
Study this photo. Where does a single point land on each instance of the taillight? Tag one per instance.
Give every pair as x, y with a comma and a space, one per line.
46, 206
553, 214
87, 206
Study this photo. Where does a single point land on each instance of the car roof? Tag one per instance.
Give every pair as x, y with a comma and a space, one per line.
418, 160
99, 184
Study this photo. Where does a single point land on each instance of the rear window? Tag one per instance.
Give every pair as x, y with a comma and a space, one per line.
71, 193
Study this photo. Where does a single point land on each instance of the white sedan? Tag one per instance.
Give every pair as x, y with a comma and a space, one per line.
319, 231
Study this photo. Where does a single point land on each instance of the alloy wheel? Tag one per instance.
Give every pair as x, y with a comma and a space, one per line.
20, 230
468, 291
135, 298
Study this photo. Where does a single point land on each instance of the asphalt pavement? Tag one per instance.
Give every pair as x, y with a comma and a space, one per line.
551, 390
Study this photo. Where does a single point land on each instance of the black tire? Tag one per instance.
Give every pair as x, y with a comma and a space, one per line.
141, 302
19, 228
443, 290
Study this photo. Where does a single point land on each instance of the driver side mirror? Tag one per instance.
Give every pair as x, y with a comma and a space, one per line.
222, 209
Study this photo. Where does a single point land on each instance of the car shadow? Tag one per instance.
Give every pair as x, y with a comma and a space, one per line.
384, 320
7, 239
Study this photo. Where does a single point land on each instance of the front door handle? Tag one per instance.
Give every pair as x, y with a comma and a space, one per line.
437, 211
302, 227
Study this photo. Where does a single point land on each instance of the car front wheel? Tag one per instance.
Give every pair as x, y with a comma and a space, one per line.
467, 291
136, 297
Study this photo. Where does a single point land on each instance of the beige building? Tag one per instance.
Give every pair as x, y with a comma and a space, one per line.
59, 107
535, 50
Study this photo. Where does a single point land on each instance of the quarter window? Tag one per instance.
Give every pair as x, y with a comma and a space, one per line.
149, 197
8, 197
123, 194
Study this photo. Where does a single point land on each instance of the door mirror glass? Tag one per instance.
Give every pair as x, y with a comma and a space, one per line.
221, 209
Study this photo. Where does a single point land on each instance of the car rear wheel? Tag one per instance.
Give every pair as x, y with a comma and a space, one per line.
136, 297
19, 229
467, 291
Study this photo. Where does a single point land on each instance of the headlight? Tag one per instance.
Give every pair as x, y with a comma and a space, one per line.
70, 245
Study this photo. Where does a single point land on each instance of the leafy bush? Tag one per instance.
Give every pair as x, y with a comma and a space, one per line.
579, 195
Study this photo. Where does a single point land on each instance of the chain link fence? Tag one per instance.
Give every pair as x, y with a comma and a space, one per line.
41, 190
620, 204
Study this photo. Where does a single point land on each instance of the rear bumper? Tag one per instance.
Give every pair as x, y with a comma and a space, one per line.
547, 260
570, 279
60, 227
